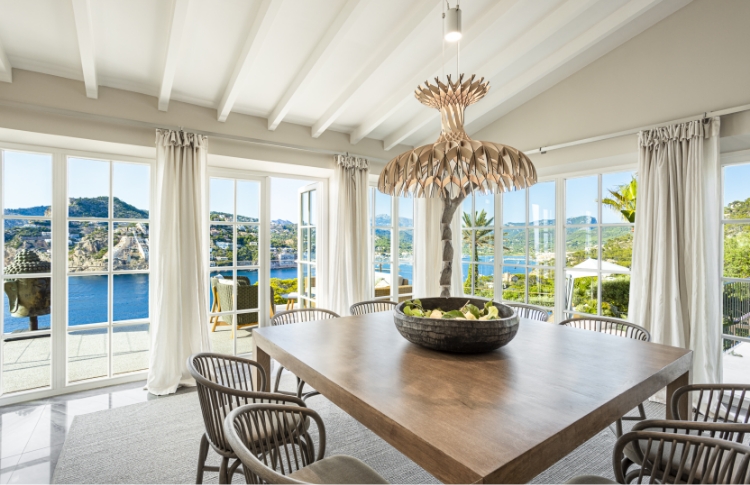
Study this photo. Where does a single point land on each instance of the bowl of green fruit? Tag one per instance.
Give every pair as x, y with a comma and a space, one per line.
461, 325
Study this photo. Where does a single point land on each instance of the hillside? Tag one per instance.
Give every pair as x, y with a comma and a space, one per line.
99, 207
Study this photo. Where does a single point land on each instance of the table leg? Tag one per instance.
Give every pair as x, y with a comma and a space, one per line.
262, 358
683, 380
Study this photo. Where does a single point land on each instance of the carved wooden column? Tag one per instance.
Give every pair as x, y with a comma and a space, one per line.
446, 236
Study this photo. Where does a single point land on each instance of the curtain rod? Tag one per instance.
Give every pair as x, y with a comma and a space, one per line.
154, 126
707, 114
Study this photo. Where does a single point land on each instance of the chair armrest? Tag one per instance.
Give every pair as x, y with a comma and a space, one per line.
715, 392
726, 431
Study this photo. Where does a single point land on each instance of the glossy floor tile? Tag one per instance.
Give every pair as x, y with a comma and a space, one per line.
32, 433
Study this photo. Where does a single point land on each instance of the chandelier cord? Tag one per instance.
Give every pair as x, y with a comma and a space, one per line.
442, 39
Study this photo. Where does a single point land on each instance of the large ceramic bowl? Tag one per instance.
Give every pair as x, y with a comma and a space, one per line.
461, 336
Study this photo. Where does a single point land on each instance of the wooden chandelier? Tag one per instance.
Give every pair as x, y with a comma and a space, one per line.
455, 165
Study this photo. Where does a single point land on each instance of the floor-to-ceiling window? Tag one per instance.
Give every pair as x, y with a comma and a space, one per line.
508, 245
75, 270
108, 268
391, 245
736, 272
599, 216
237, 282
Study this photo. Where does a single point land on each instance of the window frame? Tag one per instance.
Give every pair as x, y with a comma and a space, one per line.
600, 226
263, 262
110, 272
559, 179
395, 230
729, 160
59, 303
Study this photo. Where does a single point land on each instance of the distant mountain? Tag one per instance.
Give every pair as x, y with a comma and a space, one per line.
40, 210
581, 220
385, 220
99, 207
282, 222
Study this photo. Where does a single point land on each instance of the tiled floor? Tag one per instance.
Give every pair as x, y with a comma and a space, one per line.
32, 433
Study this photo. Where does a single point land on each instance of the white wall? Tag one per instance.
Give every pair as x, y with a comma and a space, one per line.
696, 60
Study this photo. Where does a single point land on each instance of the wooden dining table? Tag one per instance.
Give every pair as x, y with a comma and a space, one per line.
498, 417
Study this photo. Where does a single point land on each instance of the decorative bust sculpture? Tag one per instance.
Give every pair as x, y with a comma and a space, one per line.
28, 297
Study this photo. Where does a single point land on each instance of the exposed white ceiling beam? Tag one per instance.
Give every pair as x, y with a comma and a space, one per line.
413, 25
85, 31
553, 22
333, 36
176, 36
593, 37
6, 71
405, 93
258, 32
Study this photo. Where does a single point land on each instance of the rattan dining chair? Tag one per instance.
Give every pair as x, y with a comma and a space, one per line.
621, 328
632, 455
295, 453
532, 312
719, 404
679, 458
298, 316
225, 383
372, 306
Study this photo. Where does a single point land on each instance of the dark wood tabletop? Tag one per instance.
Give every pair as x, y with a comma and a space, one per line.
499, 417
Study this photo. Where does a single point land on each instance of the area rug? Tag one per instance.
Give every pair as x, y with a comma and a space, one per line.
157, 442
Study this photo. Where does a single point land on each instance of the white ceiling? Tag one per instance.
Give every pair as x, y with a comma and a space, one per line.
345, 65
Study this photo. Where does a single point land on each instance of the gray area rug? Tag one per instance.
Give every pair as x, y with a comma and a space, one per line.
157, 442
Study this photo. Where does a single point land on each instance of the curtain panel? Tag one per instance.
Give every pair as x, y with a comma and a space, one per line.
349, 280
675, 290
179, 326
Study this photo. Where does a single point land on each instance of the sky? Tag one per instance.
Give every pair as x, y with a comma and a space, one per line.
582, 194
284, 197
27, 180
736, 183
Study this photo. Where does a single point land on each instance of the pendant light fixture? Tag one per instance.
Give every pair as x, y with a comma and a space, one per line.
454, 165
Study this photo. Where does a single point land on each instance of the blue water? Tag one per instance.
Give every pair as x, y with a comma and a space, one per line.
509, 266
88, 294
87, 301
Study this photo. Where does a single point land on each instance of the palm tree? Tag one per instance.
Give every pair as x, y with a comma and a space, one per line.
482, 238
623, 199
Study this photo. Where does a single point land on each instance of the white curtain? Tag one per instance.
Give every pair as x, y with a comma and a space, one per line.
428, 249
348, 281
179, 325
675, 290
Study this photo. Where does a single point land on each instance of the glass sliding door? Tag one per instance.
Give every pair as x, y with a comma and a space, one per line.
239, 293
307, 254
108, 268
27, 271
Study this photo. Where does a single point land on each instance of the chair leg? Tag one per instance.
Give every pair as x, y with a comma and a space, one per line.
618, 428
202, 455
642, 411
223, 475
278, 379
232, 470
